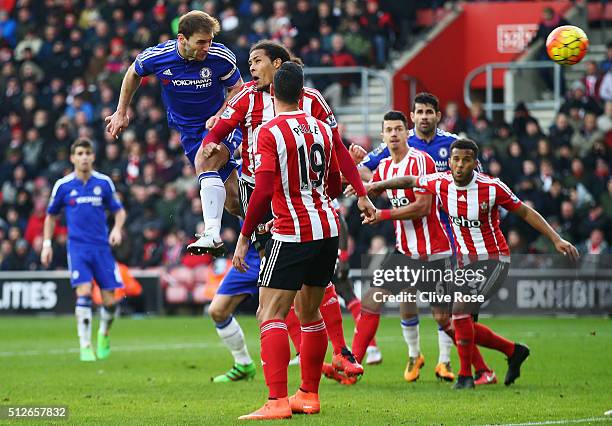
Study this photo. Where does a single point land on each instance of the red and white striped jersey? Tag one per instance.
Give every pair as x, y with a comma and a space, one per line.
473, 211
423, 236
298, 149
250, 108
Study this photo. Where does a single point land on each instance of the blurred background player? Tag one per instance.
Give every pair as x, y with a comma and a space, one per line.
426, 137
299, 174
253, 107
480, 246
421, 242
86, 195
195, 74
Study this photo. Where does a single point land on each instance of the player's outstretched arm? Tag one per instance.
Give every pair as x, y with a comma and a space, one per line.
118, 122
419, 208
46, 254
400, 182
231, 92
115, 236
536, 220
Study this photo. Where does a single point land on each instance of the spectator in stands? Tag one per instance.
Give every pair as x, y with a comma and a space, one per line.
529, 140
306, 21
583, 139
22, 258
148, 249
340, 57
379, 25
592, 80
451, 120
606, 64
561, 133
357, 44
604, 121
605, 90
580, 101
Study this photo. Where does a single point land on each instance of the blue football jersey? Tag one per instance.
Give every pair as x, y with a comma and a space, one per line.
193, 91
86, 204
438, 149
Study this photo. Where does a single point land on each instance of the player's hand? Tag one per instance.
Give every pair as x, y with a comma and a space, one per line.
374, 189
269, 225
210, 149
567, 249
242, 247
357, 153
46, 255
210, 123
116, 123
115, 237
371, 220
366, 207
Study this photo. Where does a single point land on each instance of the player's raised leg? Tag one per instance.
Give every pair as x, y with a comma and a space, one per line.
84, 316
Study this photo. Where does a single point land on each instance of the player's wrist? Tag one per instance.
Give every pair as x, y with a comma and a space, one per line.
385, 214
47, 243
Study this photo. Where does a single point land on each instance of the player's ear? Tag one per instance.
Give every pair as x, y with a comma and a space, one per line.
412, 116
277, 63
439, 115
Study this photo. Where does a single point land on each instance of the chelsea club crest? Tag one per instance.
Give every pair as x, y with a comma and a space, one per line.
205, 73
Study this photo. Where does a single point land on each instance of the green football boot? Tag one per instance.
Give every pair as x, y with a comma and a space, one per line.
87, 355
237, 372
103, 346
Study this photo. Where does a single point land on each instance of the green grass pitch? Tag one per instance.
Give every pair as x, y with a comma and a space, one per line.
160, 369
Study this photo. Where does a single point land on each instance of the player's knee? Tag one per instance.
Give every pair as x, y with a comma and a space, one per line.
218, 313
442, 318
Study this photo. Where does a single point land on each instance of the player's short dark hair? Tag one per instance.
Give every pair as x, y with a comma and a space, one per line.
197, 21
465, 143
275, 50
427, 99
81, 143
289, 83
395, 115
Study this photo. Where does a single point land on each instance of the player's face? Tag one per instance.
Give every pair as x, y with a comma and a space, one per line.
462, 164
195, 47
394, 133
83, 159
262, 68
425, 118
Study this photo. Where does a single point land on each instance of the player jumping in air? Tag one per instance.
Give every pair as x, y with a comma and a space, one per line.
86, 195
252, 107
295, 169
195, 74
472, 201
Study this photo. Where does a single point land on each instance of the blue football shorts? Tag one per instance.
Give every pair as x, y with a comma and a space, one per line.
87, 263
236, 282
191, 142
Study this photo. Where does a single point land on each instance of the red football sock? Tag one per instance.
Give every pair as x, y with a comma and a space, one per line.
355, 307
312, 355
293, 327
464, 335
332, 315
275, 354
477, 360
366, 328
484, 336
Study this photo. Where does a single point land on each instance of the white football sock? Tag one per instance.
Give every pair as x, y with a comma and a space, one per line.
212, 194
410, 330
232, 336
83, 317
107, 315
445, 343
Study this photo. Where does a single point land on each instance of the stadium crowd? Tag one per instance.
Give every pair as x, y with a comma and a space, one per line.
61, 65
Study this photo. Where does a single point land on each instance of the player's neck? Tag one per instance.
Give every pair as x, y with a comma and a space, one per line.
281, 107
398, 155
427, 138
84, 176
466, 182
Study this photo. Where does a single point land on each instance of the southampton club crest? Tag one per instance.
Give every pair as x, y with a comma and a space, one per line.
484, 206
205, 73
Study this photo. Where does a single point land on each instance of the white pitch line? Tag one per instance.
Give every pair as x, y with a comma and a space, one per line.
176, 346
555, 422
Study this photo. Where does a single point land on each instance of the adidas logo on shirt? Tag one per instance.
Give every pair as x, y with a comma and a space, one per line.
167, 72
